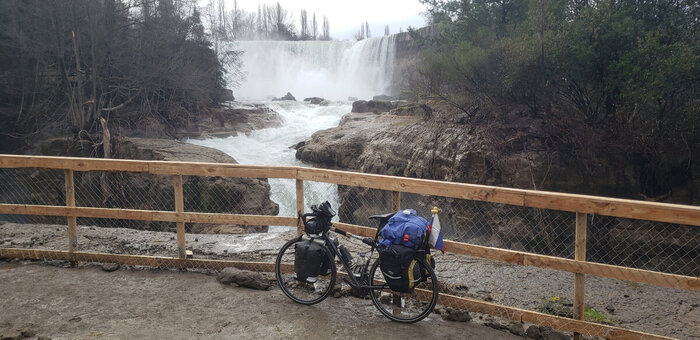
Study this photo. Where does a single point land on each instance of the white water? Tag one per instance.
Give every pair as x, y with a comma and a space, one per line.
333, 70
271, 146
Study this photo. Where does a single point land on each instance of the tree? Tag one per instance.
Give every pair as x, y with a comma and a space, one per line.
326, 35
314, 28
303, 26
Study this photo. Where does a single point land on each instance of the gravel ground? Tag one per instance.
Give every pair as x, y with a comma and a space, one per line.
642, 307
89, 303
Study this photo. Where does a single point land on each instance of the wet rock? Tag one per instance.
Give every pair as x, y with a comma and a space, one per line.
314, 100
533, 332
27, 333
383, 97
375, 106
324, 103
452, 314
550, 334
244, 278
287, 96
516, 328
110, 267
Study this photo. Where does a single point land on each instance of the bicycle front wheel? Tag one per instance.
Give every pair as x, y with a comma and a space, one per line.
405, 307
307, 291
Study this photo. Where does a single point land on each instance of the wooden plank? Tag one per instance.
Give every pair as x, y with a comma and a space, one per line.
356, 229
154, 167
510, 256
300, 204
180, 208
146, 215
653, 211
523, 315
579, 279
137, 260
573, 266
70, 202
413, 185
220, 169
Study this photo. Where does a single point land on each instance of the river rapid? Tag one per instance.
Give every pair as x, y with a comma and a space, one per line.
338, 71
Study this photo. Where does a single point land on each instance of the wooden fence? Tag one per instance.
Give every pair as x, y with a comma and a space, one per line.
579, 204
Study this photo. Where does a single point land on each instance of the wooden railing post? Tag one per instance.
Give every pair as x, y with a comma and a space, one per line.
300, 204
180, 207
70, 202
579, 255
395, 201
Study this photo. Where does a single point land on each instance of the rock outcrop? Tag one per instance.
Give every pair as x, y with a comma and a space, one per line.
518, 149
145, 191
287, 96
314, 100
375, 106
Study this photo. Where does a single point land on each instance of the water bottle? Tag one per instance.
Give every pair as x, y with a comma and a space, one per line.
359, 265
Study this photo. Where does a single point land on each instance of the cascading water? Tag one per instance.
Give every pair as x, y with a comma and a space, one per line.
333, 70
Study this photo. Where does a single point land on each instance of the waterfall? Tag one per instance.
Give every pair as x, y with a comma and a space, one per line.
333, 70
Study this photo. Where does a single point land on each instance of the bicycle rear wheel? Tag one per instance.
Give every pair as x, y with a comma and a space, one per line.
310, 290
405, 307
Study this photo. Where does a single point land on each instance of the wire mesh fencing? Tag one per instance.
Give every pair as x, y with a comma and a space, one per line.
539, 292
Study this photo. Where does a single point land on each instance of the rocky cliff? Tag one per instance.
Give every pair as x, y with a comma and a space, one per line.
516, 149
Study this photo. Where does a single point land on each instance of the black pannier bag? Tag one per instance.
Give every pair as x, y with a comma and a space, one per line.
400, 268
309, 261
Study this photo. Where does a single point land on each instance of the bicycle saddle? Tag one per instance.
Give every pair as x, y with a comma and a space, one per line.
383, 218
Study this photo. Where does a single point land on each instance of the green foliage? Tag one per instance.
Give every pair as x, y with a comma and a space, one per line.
631, 68
76, 60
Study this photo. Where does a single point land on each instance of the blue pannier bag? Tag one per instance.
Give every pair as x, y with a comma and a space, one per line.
405, 228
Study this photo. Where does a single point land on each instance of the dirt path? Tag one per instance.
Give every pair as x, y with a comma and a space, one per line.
89, 303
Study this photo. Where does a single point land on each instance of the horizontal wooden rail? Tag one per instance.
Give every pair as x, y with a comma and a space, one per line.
555, 263
145, 215
151, 167
642, 210
474, 305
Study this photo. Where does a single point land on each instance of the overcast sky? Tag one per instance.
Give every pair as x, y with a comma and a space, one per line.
345, 16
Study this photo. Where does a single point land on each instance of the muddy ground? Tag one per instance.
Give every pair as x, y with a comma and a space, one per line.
89, 303
642, 307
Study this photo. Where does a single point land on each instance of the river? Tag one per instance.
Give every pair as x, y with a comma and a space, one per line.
334, 70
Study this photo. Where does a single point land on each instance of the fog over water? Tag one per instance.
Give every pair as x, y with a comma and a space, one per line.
334, 70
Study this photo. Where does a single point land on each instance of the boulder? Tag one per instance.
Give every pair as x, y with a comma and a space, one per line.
314, 100
324, 103
287, 96
110, 267
244, 278
383, 97
225, 95
375, 106
226, 121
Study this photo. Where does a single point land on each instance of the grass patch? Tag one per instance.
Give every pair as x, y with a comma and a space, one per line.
592, 315
554, 305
